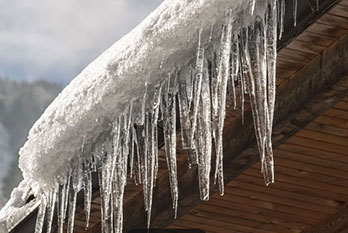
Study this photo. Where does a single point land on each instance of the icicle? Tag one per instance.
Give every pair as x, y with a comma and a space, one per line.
62, 200
50, 209
137, 165
120, 172
234, 67
73, 195
104, 173
41, 214
252, 6
204, 135
281, 15
150, 169
66, 201
222, 77
257, 84
185, 123
131, 158
169, 122
211, 33
271, 53
317, 5
87, 196
197, 85
294, 11
154, 121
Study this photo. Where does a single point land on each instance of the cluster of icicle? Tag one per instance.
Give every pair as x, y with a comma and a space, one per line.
243, 61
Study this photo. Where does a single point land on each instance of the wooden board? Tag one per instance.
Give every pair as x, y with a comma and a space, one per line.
311, 186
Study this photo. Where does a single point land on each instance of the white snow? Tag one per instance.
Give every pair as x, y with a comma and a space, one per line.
138, 78
99, 94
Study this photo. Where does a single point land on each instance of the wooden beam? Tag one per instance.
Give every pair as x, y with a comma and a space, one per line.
315, 88
337, 223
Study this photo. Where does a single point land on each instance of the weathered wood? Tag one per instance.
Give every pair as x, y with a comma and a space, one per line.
337, 223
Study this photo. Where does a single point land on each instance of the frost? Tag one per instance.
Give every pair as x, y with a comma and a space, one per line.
234, 52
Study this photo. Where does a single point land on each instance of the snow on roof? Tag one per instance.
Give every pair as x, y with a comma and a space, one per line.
165, 40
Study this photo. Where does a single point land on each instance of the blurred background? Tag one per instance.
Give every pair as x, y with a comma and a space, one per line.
43, 45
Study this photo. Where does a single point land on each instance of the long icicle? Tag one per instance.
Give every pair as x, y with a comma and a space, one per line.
41, 214
204, 135
169, 121
223, 76
50, 209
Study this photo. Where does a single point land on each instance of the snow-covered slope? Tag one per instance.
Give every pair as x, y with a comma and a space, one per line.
106, 118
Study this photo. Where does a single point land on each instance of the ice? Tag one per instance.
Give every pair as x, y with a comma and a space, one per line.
87, 196
50, 209
41, 214
294, 12
74, 188
222, 81
161, 74
281, 14
197, 87
204, 136
169, 129
62, 200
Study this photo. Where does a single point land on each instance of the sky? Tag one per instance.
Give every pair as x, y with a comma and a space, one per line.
54, 40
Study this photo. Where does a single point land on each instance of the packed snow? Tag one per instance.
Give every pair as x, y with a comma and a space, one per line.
106, 119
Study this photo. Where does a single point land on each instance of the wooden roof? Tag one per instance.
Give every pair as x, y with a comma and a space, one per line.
311, 184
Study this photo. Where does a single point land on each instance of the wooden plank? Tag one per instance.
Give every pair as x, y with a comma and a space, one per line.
342, 105
282, 193
287, 203
328, 129
233, 224
339, 10
324, 27
252, 213
302, 182
333, 168
241, 198
296, 55
236, 220
311, 176
333, 139
256, 209
318, 144
329, 120
337, 223
313, 152
335, 21
307, 47
317, 39
207, 227
337, 113
328, 196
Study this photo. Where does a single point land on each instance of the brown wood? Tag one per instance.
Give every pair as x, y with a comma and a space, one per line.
337, 223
